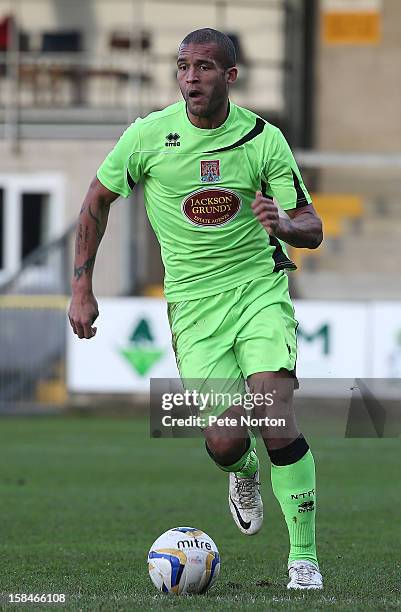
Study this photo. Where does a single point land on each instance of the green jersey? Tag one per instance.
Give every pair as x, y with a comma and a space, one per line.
198, 187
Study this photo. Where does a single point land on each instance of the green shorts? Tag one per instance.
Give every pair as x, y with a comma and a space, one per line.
234, 334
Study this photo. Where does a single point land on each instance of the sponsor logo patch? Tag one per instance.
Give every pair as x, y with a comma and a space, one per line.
210, 171
307, 506
173, 140
212, 206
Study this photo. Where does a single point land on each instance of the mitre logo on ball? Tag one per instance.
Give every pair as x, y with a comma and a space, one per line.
211, 206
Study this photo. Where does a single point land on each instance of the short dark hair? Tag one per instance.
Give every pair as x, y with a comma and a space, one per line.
227, 56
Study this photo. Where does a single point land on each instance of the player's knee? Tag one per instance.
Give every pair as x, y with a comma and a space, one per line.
271, 391
225, 450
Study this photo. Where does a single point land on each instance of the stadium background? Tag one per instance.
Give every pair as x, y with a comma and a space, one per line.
73, 74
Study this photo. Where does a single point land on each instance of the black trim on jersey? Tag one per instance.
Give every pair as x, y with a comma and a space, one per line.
301, 199
130, 181
281, 261
258, 129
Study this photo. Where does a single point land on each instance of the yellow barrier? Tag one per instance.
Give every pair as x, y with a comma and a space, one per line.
54, 302
338, 204
153, 291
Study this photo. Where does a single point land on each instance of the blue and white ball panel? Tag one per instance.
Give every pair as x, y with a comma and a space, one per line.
190, 531
171, 567
159, 572
212, 571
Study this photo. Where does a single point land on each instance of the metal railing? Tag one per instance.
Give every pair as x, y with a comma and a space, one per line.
44, 271
33, 306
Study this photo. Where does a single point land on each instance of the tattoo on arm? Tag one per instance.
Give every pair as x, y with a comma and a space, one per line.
84, 269
79, 239
100, 224
86, 233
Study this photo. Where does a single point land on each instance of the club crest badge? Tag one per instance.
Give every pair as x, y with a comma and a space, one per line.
210, 171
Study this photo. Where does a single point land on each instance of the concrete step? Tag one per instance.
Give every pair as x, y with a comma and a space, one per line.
359, 253
345, 286
381, 226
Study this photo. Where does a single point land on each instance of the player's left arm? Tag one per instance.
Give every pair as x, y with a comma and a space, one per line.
301, 228
281, 179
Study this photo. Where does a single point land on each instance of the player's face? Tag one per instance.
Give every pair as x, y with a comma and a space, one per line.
202, 79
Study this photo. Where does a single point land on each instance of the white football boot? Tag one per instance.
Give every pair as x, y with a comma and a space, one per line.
304, 575
246, 503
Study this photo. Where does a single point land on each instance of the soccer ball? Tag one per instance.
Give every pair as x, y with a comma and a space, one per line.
183, 560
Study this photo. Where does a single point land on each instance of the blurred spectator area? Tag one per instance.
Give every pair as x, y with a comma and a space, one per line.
56, 71
358, 202
339, 213
105, 56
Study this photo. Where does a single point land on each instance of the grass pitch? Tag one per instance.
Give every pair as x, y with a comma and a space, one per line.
83, 499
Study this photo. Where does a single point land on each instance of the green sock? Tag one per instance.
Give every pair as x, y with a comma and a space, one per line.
294, 486
247, 465
250, 466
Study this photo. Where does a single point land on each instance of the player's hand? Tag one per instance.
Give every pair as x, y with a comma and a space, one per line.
266, 212
82, 313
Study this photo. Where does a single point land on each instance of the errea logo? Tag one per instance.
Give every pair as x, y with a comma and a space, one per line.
172, 140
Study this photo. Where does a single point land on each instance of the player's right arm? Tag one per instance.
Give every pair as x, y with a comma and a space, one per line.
117, 176
92, 223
